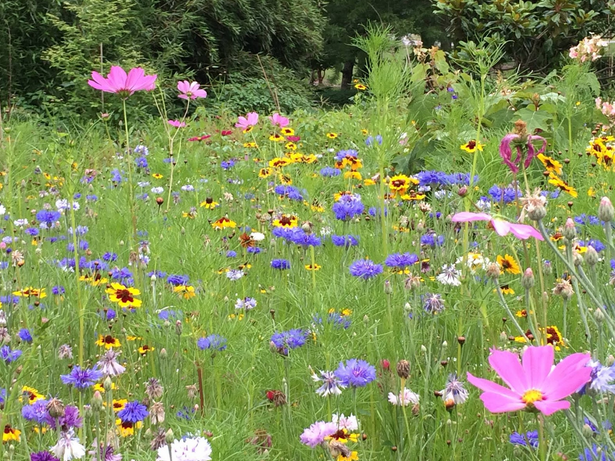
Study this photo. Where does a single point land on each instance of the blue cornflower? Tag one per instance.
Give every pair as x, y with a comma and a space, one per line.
355, 373
529, 439
347, 207
91, 198
350, 153
253, 250
400, 261
300, 237
109, 256
328, 172
177, 279
167, 314
133, 412
123, 275
82, 378
365, 269
9, 355
601, 379
281, 264
158, 274
48, 217
597, 453
141, 149
370, 140
432, 239
227, 165
116, 176
231, 254
290, 192
32, 231
339, 320
36, 412
213, 342
597, 244
25, 335
141, 162
331, 384
2, 396
186, 413
290, 339
345, 240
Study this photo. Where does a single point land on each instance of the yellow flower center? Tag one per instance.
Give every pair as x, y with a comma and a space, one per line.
531, 396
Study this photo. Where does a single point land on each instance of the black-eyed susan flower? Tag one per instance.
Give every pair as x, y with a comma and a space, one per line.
223, 223
507, 290
550, 164
290, 146
31, 293
562, 185
313, 267
554, 337
145, 349
360, 87
264, 172
250, 145
522, 313
108, 341
30, 395
118, 404
287, 221
287, 131
275, 137
123, 296
127, 428
285, 179
209, 204
508, 264
184, 291
280, 162
10, 434
157, 176
472, 146
332, 135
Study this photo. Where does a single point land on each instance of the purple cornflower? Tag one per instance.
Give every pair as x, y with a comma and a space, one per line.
316, 433
433, 303
42, 456
231, 254
365, 269
300, 237
133, 412
9, 355
70, 419
48, 217
401, 261
109, 365
290, 339
213, 342
290, 192
432, 239
82, 378
355, 373
36, 412
331, 384
281, 264
58, 290
328, 172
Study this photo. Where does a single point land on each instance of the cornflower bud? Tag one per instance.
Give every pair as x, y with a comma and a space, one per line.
606, 212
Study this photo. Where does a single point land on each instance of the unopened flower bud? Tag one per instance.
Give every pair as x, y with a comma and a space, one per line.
403, 369
577, 259
163, 353
107, 384
463, 191
493, 271
168, 437
388, 289
606, 212
569, 231
587, 430
610, 360
503, 337
97, 401
178, 327
591, 256
527, 280
55, 408
547, 267
599, 315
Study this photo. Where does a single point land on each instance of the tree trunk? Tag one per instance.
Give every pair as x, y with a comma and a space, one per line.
347, 74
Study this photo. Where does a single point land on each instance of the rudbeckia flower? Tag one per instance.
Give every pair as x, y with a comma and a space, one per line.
533, 384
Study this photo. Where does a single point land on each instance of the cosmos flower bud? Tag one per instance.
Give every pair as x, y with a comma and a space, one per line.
569, 231
527, 280
591, 257
403, 369
606, 212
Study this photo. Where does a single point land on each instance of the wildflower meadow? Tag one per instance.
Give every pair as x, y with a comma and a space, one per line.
426, 274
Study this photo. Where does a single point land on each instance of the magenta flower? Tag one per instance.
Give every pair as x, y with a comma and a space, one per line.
506, 150
248, 121
534, 383
119, 82
316, 433
501, 227
176, 123
277, 119
190, 90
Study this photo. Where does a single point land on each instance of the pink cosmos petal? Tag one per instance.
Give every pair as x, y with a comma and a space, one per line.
492, 388
537, 363
98, 82
497, 403
524, 231
252, 118
133, 79
118, 81
567, 377
507, 365
549, 407
467, 216
242, 122
501, 227
277, 119
117, 78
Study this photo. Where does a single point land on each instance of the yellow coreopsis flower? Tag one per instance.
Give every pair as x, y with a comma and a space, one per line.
124, 296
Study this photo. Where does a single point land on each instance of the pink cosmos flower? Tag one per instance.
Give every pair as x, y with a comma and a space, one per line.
249, 120
501, 227
119, 82
190, 90
176, 123
534, 383
277, 119
506, 150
